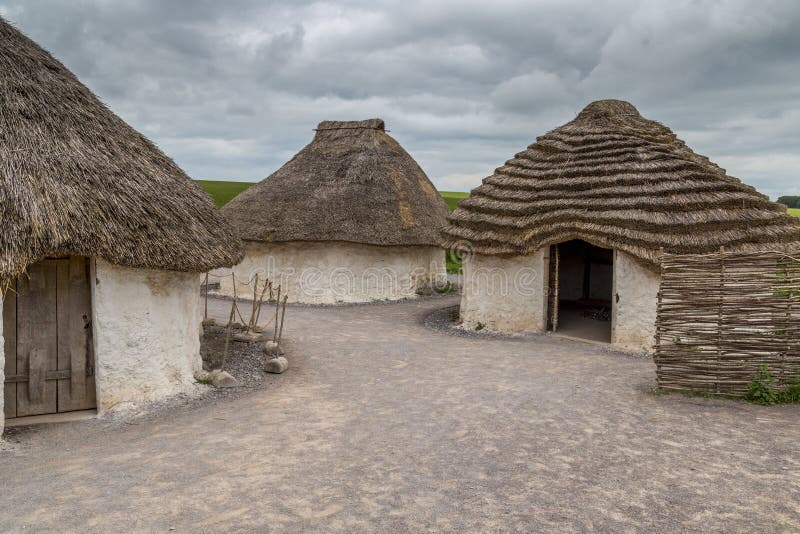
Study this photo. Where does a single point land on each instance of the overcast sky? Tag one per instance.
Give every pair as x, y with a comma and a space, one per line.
231, 90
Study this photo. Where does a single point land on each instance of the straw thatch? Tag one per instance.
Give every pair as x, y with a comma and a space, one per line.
616, 180
352, 183
76, 179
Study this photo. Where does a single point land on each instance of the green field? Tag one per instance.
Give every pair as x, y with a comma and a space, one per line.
223, 192
794, 211
452, 198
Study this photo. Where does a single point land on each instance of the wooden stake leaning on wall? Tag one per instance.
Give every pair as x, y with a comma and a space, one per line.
205, 313
277, 309
228, 329
267, 284
235, 305
283, 316
251, 325
260, 303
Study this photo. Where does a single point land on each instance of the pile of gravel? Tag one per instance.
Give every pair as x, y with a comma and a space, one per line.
448, 321
245, 360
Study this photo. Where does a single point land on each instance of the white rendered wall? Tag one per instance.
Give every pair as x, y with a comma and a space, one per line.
505, 294
334, 272
146, 327
633, 324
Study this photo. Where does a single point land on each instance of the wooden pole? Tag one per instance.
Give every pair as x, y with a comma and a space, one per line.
555, 288
283, 316
231, 317
235, 298
277, 308
205, 312
253, 309
267, 283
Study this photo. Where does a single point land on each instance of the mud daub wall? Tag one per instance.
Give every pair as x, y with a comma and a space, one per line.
721, 316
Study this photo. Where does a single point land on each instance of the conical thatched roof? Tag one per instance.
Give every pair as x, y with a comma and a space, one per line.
76, 179
352, 183
617, 180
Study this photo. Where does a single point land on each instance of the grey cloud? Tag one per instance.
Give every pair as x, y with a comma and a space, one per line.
232, 89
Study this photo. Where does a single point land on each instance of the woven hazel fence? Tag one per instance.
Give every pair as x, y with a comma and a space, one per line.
722, 316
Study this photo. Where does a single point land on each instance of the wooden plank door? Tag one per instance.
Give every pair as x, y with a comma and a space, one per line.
47, 330
37, 335
10, 349
75, 346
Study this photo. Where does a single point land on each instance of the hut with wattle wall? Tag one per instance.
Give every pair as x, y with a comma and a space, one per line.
350, 218
568, 234
104, 239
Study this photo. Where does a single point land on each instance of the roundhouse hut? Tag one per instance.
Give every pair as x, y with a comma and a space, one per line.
567, 235
103, 241
350, 218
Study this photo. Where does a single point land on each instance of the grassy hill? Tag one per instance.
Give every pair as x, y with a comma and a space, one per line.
452, 198
223, 192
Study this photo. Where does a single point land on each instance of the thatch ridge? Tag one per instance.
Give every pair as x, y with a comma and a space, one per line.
617, 180
76, 179
353, 183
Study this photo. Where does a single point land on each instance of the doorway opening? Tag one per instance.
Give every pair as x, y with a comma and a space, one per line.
47, 332
580, 290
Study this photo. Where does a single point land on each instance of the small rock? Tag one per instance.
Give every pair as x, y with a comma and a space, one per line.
246, 337
276, 365
222, 379
202, 376
271, 348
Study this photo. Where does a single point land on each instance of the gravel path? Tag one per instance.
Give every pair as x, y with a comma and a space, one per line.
384, 424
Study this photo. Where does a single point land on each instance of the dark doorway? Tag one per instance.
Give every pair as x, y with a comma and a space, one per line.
581, 286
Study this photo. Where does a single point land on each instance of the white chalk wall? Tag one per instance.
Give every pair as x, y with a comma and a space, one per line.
510, 295
634, 314
334, 272
147, 327
505, 294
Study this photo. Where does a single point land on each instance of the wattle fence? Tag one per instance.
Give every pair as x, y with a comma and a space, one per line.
722, 316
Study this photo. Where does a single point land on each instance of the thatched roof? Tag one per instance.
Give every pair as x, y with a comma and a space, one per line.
76, 179
616, 180
352, 183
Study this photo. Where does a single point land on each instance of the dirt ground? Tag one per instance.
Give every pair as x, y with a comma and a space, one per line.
384, 424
